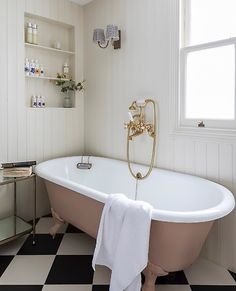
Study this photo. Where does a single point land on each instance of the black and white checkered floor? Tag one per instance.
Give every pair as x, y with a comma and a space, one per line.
64, 264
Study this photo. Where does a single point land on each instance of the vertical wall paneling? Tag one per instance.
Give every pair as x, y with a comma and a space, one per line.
200, 159
6, 204
233, 238
226, 165
20, 81
27, 133
12, 80
189, 156
179, 151
48, 150
3, 77
226, 179
213, 161
140, 69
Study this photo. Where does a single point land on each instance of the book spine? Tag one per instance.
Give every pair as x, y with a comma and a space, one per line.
20, 164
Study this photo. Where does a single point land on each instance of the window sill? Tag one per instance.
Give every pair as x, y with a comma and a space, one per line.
215, 133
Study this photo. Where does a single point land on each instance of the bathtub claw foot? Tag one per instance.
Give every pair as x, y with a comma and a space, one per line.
58, 222
151, 273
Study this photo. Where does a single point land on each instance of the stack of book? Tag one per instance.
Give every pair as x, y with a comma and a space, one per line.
18, 169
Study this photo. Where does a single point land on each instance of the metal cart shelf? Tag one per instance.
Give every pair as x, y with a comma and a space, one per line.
13, 226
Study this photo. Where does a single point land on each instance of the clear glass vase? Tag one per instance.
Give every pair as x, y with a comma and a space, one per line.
67, 100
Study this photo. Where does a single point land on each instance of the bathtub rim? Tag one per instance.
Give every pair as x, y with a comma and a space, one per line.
226, 205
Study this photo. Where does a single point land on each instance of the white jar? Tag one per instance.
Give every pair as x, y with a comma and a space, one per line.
35, 34
43, 102
33, 101
27, 67
29, 33
57, 45
41, 71
39, 102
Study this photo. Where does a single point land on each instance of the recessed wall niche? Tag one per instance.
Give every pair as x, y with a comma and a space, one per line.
55, 47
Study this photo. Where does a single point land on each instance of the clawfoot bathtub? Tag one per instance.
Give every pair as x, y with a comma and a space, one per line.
185, 207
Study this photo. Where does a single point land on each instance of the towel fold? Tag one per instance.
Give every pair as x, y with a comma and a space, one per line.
123, 241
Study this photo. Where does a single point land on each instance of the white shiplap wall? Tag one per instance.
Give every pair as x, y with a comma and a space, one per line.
216, 160
34, 134
143, 67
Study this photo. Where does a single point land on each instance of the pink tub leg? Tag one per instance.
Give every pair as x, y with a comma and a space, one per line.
151, 273
58, 222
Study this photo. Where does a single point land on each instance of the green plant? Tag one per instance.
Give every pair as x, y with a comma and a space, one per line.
68, 85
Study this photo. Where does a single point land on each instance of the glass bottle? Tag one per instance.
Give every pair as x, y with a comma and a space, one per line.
67, 100
33, 101
41, 71
27, 67
66, 70
29, 33
43, 102
37, 68
32, 68
35, 34
39, 102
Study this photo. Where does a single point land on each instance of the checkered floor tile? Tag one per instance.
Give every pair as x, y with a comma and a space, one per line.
64, 264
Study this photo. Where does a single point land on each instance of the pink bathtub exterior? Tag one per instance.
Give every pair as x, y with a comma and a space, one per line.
184, 207
173, 246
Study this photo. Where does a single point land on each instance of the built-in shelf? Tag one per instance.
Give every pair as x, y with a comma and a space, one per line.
51, 109
47, 78
52, 60
49, 48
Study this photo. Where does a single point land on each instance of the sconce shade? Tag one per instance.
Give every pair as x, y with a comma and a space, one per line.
112, 32
99, 36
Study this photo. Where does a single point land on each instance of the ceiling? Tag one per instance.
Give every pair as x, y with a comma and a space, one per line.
81, 2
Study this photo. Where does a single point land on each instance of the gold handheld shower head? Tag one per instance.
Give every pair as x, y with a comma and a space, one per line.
138, 126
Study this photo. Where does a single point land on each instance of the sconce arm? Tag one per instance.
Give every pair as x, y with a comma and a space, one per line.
103, 47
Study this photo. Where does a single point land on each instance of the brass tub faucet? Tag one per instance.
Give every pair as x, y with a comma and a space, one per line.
137, 125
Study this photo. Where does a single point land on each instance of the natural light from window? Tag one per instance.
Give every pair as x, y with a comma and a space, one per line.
210, 83
211, 20
207, 64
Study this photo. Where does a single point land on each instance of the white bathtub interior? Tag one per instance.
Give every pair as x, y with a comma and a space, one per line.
174, 196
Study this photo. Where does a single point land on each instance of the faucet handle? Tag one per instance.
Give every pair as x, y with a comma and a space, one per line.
141, 103
126, 125
130, 116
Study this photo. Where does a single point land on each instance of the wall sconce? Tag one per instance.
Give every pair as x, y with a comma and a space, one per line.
113, 35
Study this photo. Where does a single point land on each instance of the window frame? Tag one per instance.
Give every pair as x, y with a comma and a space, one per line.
184, 50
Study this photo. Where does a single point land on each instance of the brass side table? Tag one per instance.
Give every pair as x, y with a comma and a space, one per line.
13, 226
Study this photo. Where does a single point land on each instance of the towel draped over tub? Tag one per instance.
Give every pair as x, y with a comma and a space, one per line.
123, 241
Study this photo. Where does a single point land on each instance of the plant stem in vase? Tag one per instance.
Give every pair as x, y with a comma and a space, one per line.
67, 87
67, 100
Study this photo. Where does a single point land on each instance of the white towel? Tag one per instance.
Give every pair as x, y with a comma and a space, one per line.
123, 241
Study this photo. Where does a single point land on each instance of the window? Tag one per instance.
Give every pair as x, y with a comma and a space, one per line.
207, 64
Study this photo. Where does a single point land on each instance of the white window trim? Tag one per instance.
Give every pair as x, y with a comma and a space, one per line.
176, 127
209, 123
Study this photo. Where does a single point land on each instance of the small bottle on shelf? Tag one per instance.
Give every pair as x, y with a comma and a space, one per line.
41, 71
39, 102
32, 68
35, 33
27, 67
37, 68
43, 105
66, 70
29, 33
33, 101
